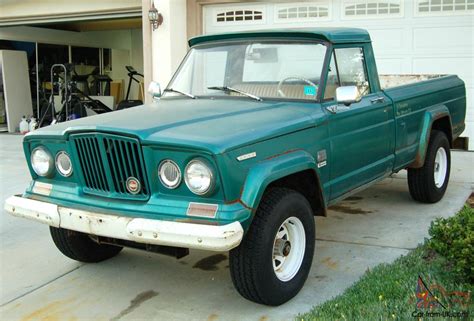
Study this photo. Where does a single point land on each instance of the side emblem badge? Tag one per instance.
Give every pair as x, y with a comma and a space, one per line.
322, 157
246, 156
133, 185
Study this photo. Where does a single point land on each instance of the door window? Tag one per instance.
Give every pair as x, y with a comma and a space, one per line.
347, 68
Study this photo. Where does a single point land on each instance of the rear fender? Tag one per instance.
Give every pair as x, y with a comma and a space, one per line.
431, 115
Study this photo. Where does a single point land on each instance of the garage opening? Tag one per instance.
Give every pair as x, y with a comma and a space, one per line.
99, 61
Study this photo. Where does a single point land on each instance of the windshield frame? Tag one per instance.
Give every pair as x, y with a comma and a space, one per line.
246, 41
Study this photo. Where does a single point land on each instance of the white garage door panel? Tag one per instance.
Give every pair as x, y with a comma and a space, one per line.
387, 39
225, 18
390, 65
469, 132
470, 99
443, 38
461, 66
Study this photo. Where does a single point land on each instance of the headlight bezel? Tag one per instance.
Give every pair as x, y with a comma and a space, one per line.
51, 165
56, 163
212, 177
180, 174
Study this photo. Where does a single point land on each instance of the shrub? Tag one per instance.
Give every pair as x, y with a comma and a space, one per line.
453, 238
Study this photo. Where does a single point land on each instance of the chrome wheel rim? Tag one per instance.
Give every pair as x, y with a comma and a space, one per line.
440, 167
288, 249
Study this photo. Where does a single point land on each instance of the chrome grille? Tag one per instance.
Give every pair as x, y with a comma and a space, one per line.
107, 161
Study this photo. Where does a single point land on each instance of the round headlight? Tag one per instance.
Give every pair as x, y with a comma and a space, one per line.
63, 164
41, 161
198, 177
169, 174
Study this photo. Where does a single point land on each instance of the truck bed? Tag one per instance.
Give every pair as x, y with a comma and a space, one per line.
394, 80
416, 98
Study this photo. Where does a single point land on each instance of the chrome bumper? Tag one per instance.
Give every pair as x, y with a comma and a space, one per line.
187, 235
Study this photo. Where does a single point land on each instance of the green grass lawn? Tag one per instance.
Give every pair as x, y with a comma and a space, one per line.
388, 291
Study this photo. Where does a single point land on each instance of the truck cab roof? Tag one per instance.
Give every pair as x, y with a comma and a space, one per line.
332, 35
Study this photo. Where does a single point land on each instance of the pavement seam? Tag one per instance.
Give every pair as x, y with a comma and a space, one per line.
40, 286
364, 244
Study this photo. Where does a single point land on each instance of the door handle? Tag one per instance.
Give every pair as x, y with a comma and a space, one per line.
377, 100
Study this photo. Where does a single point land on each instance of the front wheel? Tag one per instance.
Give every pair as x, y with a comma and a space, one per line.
273, 261
428, 183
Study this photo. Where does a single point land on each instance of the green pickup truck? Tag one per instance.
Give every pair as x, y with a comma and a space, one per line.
256, 133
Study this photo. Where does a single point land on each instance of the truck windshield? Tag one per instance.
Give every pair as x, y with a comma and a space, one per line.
256, 70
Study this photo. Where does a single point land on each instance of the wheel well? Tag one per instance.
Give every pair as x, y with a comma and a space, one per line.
444, 124
306, 183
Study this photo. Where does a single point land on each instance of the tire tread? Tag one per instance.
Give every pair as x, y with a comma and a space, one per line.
420, 179
243, 265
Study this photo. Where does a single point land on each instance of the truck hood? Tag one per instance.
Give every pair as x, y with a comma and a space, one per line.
216, 125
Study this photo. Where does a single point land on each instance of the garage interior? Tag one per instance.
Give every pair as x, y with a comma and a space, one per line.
96, 54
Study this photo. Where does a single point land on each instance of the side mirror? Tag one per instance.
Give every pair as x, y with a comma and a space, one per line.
347, 95
154, 89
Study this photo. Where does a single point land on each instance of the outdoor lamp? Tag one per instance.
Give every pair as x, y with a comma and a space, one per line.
156, 18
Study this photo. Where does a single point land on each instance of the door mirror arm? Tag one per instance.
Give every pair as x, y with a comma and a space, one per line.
334, 109
345, 96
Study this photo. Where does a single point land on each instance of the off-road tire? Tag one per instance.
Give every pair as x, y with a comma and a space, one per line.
251, 263
80, 247
421, 181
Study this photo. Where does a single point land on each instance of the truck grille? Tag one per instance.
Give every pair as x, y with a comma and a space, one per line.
107, 161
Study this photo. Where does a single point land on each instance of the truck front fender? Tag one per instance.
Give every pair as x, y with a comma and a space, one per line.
431, 115
267, 171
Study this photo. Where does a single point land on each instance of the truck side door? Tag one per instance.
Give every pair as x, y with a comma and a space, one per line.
360, 136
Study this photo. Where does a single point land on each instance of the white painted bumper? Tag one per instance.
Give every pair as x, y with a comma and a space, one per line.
187, 235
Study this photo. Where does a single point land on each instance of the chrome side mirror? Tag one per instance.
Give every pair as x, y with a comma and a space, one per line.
154, 89
347, 95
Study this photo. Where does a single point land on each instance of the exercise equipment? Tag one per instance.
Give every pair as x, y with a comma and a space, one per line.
75, 102
127, 103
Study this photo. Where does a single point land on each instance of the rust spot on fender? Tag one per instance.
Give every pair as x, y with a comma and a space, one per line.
239, 200
232, 202
418, 162
284, 153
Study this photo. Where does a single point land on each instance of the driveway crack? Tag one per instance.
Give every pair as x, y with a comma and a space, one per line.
364, 244
41, 286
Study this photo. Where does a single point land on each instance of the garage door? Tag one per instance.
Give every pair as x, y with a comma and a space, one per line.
412, 36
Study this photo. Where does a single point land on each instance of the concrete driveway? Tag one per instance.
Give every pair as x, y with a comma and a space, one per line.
38, 283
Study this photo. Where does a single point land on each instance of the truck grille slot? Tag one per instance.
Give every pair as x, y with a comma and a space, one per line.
107, 162
91, 164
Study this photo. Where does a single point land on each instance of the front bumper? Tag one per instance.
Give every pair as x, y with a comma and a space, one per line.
141, 230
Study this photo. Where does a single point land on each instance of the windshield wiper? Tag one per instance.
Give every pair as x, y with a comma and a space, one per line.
180, 92
227, 89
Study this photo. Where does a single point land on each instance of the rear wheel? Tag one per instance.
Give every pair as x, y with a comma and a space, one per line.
428, 183
273, 261
80, 247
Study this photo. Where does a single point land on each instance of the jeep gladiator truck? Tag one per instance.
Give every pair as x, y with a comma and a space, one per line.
255, 134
